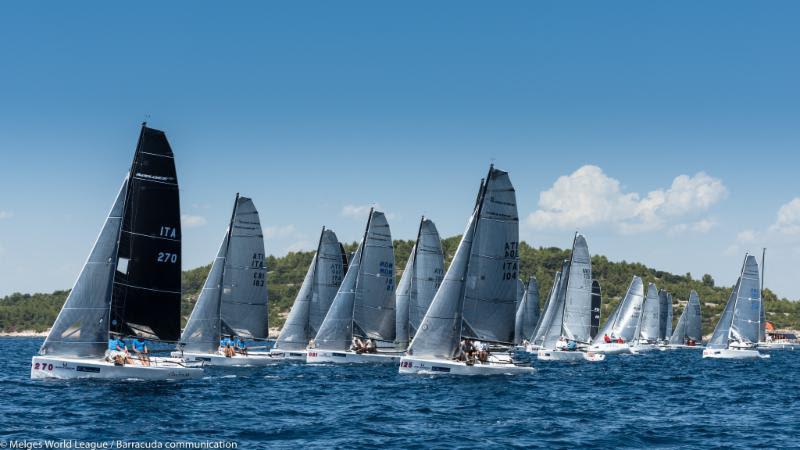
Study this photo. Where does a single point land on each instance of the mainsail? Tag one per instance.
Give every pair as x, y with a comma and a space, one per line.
527, 313
577, 320
746, 323
668, 329
420, 281
597, 303
146, 294
623, 323
490, 294
650, 314
322, 280
488, 248
364, 304
244, 309
81, 328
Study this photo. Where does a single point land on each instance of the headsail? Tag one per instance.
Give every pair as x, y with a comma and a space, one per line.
527, 313
146, 297
555, 328
322, 280
694, 319
668, 332
244, 310
549, 312
663, 310
746, 323
81, 328
490, 294
722, 331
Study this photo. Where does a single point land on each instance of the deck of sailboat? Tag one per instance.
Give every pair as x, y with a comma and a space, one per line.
253, 359
320, 356
436, 366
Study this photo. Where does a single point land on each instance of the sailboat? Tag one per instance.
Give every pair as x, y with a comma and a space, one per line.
688, 331
130, 286
770, 339
736, 334
622, 326
421, 279
527, 315
569, 333
477, 297
233, 301
314, 298
537, 338
664, 319
364, 306
648, 329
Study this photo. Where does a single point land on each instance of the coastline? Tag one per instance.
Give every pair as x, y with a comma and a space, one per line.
23, 333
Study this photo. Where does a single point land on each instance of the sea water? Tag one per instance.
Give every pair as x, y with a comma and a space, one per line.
659, 399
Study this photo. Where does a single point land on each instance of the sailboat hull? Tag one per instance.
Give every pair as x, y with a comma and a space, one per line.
559, 355
216, 359
348, 357
54, 367
778, 346
288, 355
612, 348
730, 353
430, 366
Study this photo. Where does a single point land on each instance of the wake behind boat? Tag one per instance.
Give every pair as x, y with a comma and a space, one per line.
129, 285
232, 306
737, 332
363, 312
477, 297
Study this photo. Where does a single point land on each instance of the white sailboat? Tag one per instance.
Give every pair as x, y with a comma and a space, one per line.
622, 326
688, 331
772, 339
648, 329
233, 301
421, 279
364, 306
569, 333
665, 319
737, 332
314, 298
477, 297
130, 284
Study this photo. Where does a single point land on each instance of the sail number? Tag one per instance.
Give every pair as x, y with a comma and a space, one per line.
42, 366
166, 257
259, 276
168, 232
386, 269
510, 267
337, 273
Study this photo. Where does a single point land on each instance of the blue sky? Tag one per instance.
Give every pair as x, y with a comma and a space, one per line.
666, 132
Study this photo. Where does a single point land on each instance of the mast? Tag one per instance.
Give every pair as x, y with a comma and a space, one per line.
222, 274
360, 259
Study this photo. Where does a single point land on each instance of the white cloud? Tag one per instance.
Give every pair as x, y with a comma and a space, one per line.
788, 220
279, 231
360, 212
190, 221
588, 197
701, 226
301, 246
6, 215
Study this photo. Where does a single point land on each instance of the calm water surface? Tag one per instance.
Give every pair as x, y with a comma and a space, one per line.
667, 400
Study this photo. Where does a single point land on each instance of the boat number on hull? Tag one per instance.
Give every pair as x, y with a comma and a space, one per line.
42, 366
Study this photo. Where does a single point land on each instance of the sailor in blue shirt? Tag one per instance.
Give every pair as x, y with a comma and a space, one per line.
117, 351
240, 346
140, 348
572, 345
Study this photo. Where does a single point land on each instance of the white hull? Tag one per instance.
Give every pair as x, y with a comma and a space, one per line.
216, 359
316, 356
531, 348
560, 355
56, 367
732, 353
288, 355
642, 348
613, 348
684, 347
495, 366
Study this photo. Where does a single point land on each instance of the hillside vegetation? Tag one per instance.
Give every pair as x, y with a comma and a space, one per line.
36, 312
